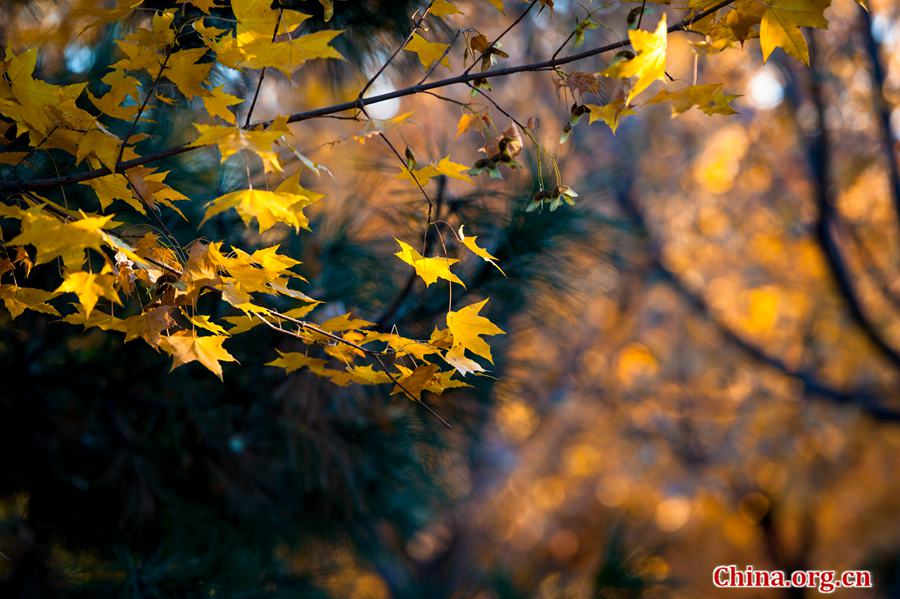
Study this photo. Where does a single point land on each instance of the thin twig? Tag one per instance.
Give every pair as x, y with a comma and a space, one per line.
446, 99
493, 44
443, 55
416, 24
337, 338
151, 209
262, 73
140, 111
394, 306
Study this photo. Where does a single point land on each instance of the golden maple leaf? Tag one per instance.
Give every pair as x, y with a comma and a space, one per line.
186, 347
89, 288
18, 299
649, 62
469, 242
428, 52
467, 327
781, 23
430, 269
444, 166
610, 113
708, 97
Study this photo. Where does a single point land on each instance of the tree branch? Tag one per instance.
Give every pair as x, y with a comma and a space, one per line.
867, 402
50, 182
882, 108
819, 157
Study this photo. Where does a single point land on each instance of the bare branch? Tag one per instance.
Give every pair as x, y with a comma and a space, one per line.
819, 156
882, 108
812, 385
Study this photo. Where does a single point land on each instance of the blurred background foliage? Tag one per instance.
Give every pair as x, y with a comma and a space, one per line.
685, 382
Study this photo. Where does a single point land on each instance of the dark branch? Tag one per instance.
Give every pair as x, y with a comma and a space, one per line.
819, 156
867, 402
882, 108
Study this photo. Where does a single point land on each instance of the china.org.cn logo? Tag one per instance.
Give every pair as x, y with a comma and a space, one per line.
824, 581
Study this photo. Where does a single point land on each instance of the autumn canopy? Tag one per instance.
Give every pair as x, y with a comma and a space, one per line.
273, 191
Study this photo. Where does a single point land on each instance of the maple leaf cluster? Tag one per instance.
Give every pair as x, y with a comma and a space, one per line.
148, 286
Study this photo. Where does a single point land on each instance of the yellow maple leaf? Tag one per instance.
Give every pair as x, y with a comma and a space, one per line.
114, 187
610, 113
344, 322
292, 361
456, 357
415, 381
121, 86
55, 238
203, 321
780, 26
278, 264
465, 121
144, 48
430, 269
649, 62
401, 345
467, 326
217, 103
89, 288
243, 274
151, 187
444, 166
231, 140
186, 347
253, 46
288, 56
708, 97
18, 299
148, 325
367, 375
428, 52
188, 75
267, 207
102, 145
256, 20
479, 251
97, 319
443, 8
443, 381
36, 106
